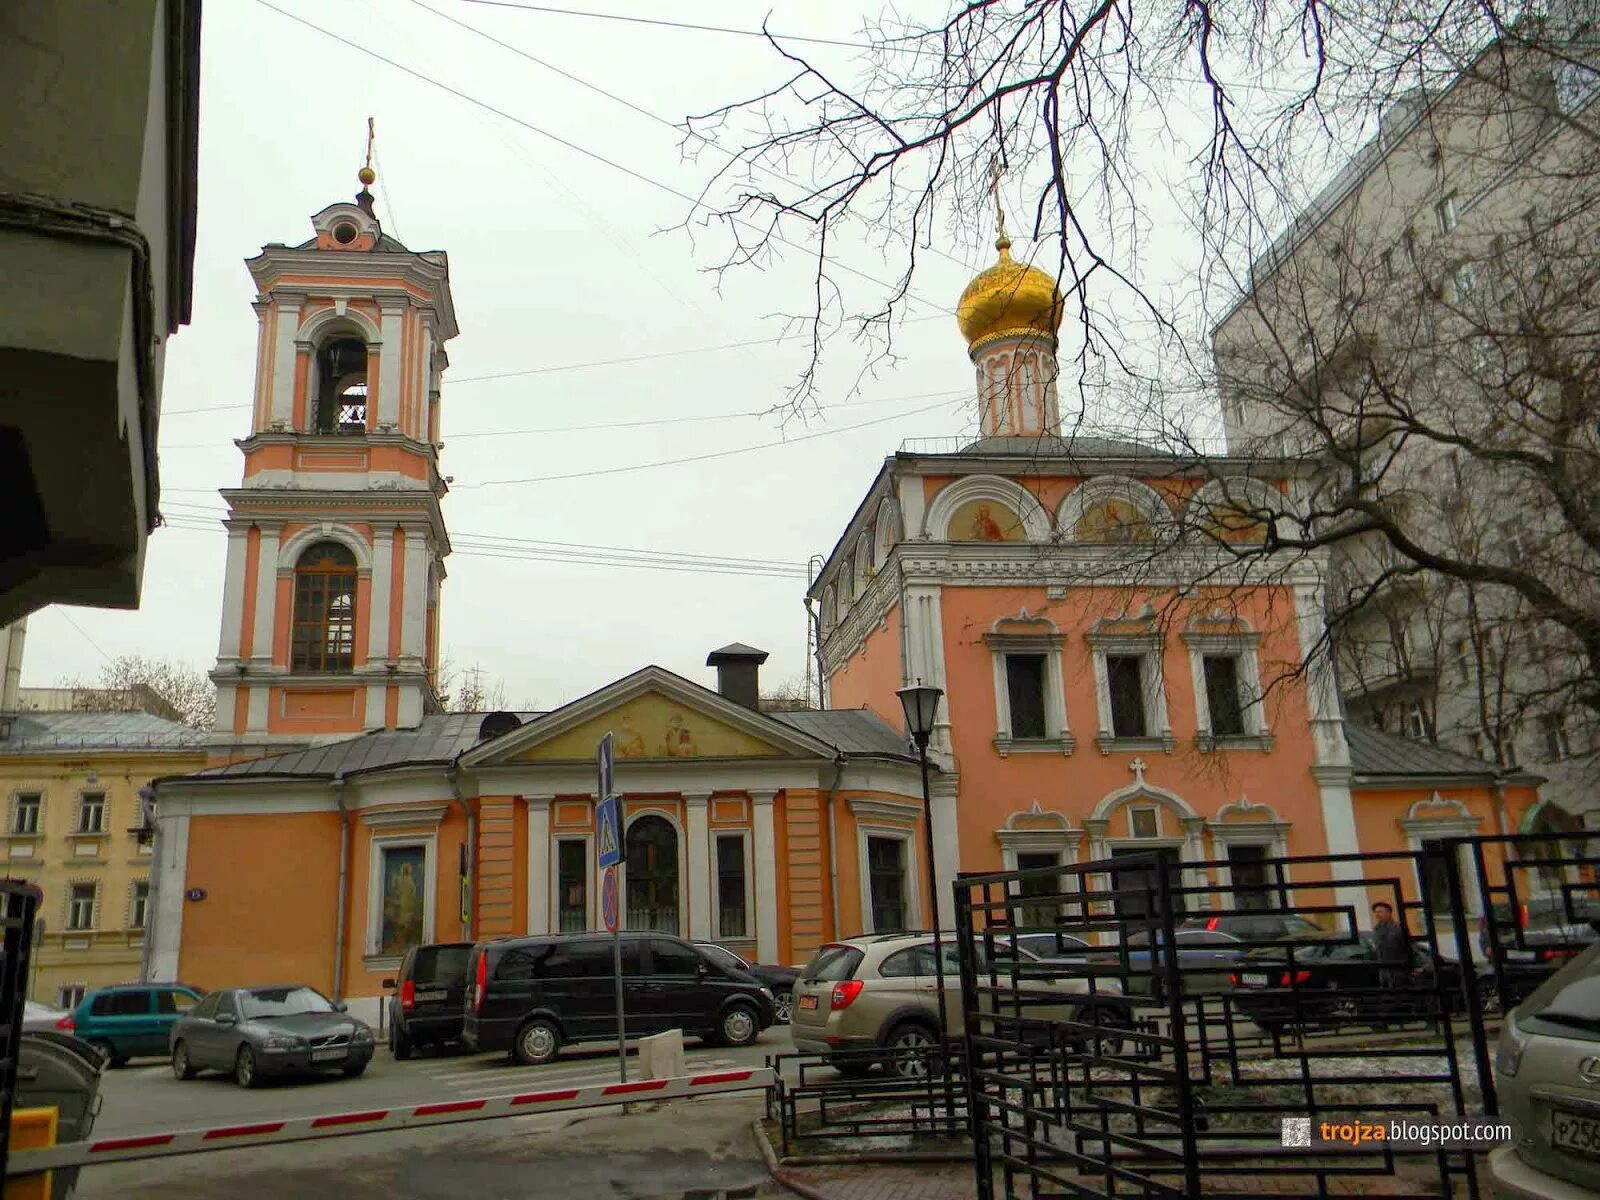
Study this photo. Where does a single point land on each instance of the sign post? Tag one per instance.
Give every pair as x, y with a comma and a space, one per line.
608, 845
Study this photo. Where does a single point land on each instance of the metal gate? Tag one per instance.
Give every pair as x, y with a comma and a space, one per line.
1145, 1026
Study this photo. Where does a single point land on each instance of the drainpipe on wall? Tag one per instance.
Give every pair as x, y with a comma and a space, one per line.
152, 903
833, 841
344, 887
1501, 817
472, 842
814, 615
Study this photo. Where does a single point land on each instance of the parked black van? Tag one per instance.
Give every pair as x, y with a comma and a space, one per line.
530, 995
429, 991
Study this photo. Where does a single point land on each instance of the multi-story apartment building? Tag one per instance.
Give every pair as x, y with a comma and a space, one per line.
74, 818
1416, 336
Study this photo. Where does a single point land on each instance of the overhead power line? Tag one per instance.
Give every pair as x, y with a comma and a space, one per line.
662, 23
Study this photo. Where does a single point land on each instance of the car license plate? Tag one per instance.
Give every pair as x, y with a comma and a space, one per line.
1253, 980
332, 1055
1569, 1131
421, 996
808, 1001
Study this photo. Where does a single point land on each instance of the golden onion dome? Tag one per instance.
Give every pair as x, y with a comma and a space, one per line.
1008, 299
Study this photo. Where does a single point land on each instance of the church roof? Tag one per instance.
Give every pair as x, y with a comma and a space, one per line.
42, 732
1046, 446
439, 738
1374, 752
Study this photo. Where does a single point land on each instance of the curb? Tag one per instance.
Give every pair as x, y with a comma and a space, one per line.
770, 1157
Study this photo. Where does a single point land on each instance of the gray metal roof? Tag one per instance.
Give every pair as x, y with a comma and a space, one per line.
1044, 446
1373, 752
848, 730
438, 739
40, 732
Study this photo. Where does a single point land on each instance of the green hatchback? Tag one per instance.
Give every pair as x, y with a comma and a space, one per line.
131, 1018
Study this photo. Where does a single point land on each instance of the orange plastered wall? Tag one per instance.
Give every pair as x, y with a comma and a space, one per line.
992, 787
271, 884
1380, 811
872, 675
852, 886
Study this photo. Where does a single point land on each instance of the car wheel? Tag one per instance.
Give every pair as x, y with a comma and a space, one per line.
738, 1027
537, 1043
913, 1047
783, 1007
107, 1051
1115, 1024
244, 1068
354, 1070
182, 1068
399, 1043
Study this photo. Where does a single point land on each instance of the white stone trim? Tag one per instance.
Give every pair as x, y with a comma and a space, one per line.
382, 588
996, 488
1241, 643
1261, 827
541, 865
1098, 490
285, 351
233, 591
717, 838
885, 533
164, 926
430, 885
400, 818
946, 846
1419, 828
764, 866
1047, 641
266, 596
591, 883
289, 552
915, 906
923, 657
311, 330
1105, 638
1014, 839
670, 818
866, 808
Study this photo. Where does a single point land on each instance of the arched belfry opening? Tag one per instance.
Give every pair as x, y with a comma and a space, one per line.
341, 386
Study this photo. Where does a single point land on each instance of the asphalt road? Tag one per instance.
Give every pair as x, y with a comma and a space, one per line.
677, 1148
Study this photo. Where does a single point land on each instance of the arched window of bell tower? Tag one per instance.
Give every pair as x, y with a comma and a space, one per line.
324, 632
341, 399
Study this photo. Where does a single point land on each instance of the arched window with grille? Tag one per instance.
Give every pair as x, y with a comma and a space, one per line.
341, 386
324, 635
651, 848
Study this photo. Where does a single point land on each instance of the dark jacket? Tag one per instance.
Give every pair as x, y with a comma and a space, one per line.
1393, 952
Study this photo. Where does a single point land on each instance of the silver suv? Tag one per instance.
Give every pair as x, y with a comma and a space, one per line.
880, 992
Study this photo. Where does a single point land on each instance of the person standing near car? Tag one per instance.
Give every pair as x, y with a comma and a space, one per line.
1389, 944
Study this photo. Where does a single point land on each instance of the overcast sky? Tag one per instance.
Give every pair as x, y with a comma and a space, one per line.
563, 268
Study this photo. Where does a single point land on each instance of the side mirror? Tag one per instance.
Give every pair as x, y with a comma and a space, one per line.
389, 984
702, 969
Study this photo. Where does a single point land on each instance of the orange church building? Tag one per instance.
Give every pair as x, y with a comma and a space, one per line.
1114, 680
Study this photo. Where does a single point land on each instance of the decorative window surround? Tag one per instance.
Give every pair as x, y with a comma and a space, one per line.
995, 488
718, 838
1190, 847
1024, 634
1092, 493
865, 809
591, 901
915, 918
371, 958
1131, 636
38, 820
1251, 825
397, 818
1223, 635
1437, 817
1038, 831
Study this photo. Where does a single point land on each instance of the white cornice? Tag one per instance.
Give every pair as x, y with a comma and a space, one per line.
414, 814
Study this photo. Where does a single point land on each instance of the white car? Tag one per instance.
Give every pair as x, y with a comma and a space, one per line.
1547, 1070
38, 1017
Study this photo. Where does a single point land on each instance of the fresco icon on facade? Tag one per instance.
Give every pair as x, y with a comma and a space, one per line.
985, 521
402, 899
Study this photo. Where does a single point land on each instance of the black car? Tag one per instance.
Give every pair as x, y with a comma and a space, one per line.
1525, 944
1250, 926
1333, 979
430, 989
260, 1033
531, 995
779, 980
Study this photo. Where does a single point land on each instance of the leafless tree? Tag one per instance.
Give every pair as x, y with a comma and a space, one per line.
186, 691
470, 689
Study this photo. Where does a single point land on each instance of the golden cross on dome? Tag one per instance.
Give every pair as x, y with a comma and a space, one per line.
995, 171
367, 174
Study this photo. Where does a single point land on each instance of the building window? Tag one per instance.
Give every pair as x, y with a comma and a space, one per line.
572, 885
25, 816
342, 386
399, 896
139, 908
70, 995
1247, 868
80, 906
1445, 213
1553, 728
732, 918
652, 875
1414, 720
886, 869
1222, 695
1038, 907
324, 609
1144, 822
1434, 870
1025, 691
1125, 680
92, 812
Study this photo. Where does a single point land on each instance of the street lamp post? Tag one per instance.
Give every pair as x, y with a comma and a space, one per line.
921, 705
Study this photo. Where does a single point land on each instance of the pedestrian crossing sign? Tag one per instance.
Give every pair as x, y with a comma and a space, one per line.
608, 816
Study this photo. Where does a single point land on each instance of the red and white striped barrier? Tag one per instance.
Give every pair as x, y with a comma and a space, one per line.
381, 1120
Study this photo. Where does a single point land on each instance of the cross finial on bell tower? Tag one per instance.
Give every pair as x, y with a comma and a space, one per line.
366, 174
1002, 241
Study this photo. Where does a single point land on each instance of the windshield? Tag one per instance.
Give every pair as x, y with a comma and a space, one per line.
832, 964
441, 964
266, 1003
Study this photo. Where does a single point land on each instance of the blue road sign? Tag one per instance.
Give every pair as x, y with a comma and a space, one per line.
608, 899
608, 828
605, 761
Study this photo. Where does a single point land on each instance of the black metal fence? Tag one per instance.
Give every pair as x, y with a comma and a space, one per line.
868, 1096
1138, 1027
19, 905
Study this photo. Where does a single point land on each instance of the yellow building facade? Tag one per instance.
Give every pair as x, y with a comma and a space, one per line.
72, 783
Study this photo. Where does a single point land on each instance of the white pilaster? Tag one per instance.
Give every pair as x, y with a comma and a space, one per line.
233, 591
266, 595
166, 923
284, 352
256, 718
414, 599
946, 848
389, 368
765, 864
924, 657
539, 853
382, 588
702, 890
376, 704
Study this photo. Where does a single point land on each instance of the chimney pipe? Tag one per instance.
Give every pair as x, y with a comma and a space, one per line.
739, 673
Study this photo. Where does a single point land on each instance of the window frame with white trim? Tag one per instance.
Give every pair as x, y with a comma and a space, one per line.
138, 905
1420, 829
70, 923
372, 954
747, 933
30, 801
1241, 644
873, 821
1044, 641
91, 800
586, 840
1148, 647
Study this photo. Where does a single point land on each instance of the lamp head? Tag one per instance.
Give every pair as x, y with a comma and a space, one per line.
921, 705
